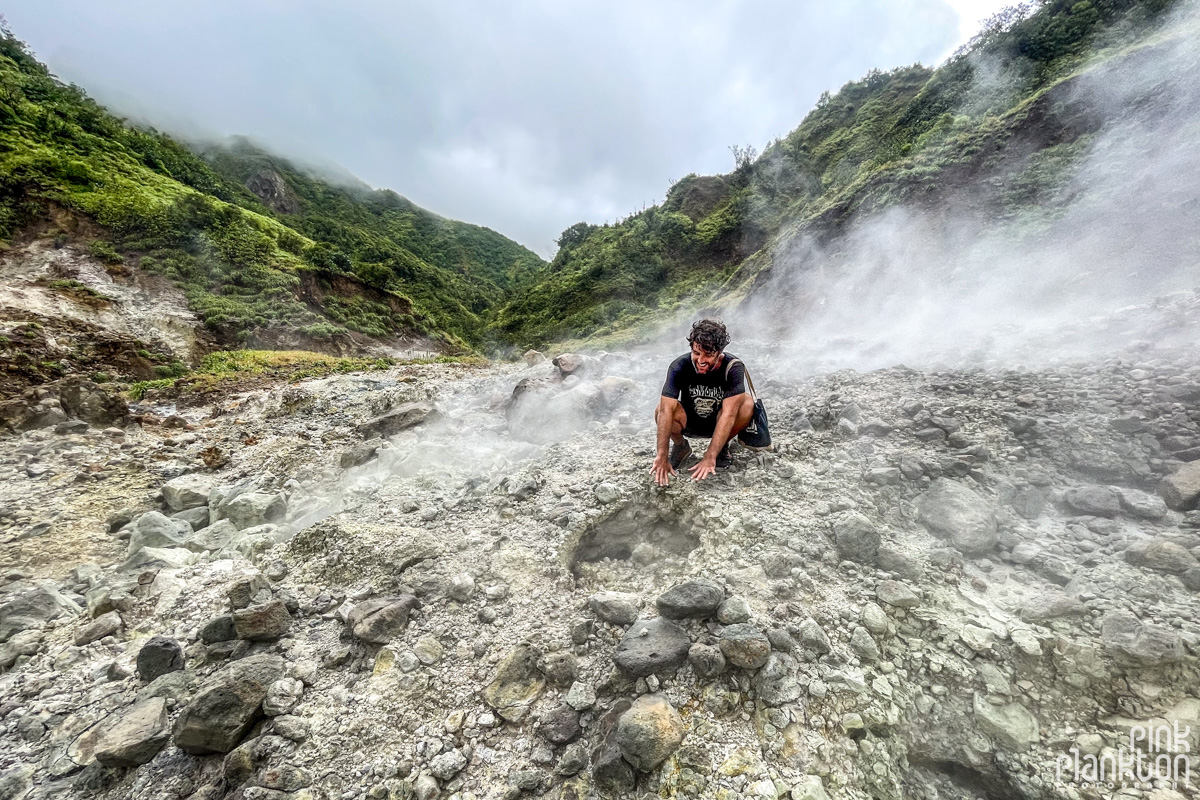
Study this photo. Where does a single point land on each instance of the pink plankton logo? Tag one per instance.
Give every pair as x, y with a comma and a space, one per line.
1156, 754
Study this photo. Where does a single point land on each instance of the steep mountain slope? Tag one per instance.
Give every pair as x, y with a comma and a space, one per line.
995, 132
262, 252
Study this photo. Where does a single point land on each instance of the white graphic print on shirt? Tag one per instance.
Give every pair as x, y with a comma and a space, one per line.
706, 399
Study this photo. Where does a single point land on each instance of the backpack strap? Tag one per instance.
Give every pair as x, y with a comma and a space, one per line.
729, 366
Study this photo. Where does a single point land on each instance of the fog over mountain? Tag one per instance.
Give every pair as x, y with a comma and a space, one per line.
525, 118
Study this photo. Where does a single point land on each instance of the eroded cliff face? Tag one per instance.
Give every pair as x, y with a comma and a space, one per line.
935, 584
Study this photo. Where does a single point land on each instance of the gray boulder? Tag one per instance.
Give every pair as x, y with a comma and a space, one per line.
856, 537
1098, 500
777, 683
381, 619
951, 510
652, 646
1181, 490
897, 594
227, 705
1162, 555
158, 656
813, 637
649, 732
104, 625
155, 529
32, 608
135, 736
1009, 724
261, 622
517, 685
398, 419
693, 599
745, 646
251, 509
187, 491
1141, 504
1137, 643
1050, 605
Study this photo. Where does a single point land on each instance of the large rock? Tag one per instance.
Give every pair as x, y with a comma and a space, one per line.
251, 509
187, 491
649, 732
133, 737
104, 625
518, 683
1009, 724
1162, 555
32, 608
1141, 504
777, 682
1181, 490
1050, 605
745, 646
381, 619
155, 529
652, 646
227, 705
856, 537
263, 621
897, 594
82, 399
158, 656
1136, 643
1098, 500
951, 510
696, 598
398, 419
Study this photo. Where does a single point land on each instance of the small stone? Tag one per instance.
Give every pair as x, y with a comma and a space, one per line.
446, 765
707, 661
462, 587
105, 625
733, 610
813, 637
652, 646
616, 608
581, 696
863, 645
429, 650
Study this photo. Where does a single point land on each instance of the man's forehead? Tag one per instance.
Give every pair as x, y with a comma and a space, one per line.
697, 349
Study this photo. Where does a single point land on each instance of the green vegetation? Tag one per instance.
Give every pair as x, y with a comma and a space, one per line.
912, 134
335, 259
224, 368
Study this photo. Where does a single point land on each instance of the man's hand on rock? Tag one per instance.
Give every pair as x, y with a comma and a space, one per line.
704, 467
662, 470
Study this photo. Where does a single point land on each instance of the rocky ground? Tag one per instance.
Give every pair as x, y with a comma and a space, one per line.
458, 581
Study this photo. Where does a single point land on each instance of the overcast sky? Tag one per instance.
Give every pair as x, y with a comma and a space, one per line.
522, 116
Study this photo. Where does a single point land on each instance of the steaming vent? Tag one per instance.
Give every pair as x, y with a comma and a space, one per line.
641, 532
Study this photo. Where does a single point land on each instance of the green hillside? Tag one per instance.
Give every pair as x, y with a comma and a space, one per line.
341, 259
997, 118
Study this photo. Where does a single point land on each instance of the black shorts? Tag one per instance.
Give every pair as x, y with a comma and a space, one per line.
699, 429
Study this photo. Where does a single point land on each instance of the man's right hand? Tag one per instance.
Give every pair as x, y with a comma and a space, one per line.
662, 470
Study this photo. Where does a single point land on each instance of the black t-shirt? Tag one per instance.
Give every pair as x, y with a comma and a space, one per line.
701, 395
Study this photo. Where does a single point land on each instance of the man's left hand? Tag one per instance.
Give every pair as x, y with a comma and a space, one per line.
705, 467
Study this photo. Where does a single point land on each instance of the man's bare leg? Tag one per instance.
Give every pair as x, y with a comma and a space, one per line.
670, 419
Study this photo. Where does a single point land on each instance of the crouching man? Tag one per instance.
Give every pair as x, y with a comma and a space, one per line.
704, 397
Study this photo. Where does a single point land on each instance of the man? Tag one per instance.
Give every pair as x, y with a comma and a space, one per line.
704, 397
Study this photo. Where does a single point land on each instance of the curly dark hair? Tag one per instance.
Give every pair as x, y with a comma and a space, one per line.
710, 334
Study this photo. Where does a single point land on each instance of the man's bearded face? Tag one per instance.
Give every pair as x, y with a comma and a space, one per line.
704, 360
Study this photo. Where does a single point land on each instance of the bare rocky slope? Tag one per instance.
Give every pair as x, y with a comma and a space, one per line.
421, 583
